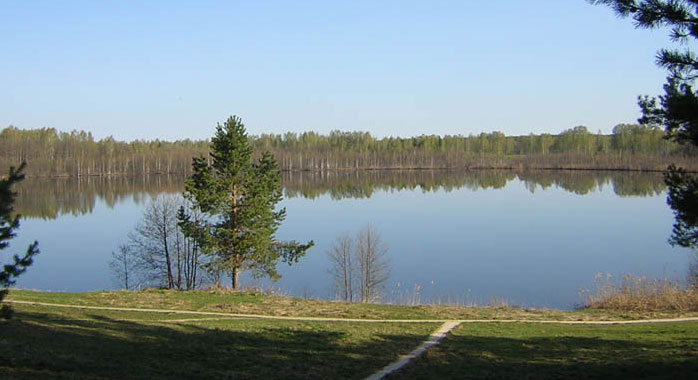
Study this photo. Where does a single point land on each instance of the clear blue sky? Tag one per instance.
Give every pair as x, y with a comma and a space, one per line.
172, 69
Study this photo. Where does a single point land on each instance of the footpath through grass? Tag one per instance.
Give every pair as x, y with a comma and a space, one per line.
65, 343
542, 351
53, 343
257, 303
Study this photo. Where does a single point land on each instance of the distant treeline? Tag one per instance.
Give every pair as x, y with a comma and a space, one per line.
48, 198
629, 147
52, 153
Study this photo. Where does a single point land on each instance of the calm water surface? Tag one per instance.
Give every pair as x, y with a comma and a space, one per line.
532, 239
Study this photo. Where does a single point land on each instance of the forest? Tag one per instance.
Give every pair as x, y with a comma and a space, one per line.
52, 153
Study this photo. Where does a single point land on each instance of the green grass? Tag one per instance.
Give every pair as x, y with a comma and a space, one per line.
43, 342
257, 303
65, 343
540, 351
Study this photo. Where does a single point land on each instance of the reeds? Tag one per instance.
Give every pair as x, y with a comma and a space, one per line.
640, 294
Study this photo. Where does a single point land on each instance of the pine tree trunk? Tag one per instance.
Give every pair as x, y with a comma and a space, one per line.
236, 278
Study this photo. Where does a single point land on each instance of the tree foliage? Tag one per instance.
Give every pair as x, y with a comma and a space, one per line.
9, 223
237, 198
77, 154
677, 109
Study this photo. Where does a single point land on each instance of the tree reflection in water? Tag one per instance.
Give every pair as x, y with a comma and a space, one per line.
49, 198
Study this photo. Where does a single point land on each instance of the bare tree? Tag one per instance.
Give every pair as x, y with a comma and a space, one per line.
123, 265
152, 239
373, 264
343, 267
162, 251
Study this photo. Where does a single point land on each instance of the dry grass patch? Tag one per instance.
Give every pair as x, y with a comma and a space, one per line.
641, 294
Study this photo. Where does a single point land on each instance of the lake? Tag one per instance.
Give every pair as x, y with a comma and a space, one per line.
534, 239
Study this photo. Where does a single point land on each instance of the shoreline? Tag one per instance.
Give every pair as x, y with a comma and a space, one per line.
514, 169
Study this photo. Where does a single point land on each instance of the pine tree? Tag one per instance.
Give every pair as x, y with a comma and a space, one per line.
237, 197
677, 109
8, 224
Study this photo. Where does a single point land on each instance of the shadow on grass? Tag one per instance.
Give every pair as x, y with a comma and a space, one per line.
568, 357
36, 345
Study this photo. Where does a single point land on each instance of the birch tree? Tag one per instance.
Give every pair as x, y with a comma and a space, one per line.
343, 267
373, 264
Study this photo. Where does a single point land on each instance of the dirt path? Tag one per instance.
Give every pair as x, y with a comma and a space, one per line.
228, 315
433, 339
353, 320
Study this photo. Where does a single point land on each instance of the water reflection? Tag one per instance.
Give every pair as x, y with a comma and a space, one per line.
526, 237
50, 198
362, 184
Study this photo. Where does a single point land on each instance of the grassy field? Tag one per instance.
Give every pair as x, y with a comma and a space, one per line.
538, 351
64, 343
257, 303
52, 343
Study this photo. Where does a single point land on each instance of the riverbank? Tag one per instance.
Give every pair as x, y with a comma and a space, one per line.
209, 342
258, 303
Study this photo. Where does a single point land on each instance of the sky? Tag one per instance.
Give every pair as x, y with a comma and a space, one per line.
173, 69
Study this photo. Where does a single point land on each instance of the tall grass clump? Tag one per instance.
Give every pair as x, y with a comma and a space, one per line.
641, 294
